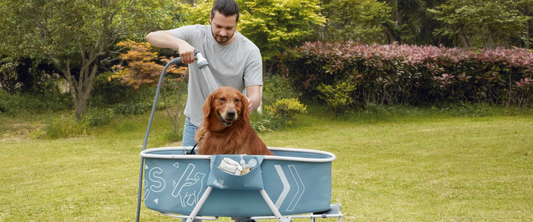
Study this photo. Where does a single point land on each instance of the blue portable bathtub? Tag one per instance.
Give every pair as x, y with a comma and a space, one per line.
295, 181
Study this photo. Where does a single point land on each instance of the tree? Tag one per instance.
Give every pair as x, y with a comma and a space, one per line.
481, 24
273, 25
355, 20
76, 36
526, 9
142, 68
8, 76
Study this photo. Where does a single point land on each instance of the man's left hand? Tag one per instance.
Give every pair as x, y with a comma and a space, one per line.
250, 105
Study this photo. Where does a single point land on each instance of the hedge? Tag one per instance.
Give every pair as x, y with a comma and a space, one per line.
413, 75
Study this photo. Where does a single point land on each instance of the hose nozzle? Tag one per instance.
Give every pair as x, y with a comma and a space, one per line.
201, 60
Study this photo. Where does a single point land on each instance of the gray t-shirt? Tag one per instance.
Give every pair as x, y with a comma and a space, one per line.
238, 65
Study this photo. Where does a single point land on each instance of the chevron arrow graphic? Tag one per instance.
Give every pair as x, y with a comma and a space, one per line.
286, 186
299, 184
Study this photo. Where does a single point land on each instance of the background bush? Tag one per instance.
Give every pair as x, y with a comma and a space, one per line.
338, 97
277, 87
13, 104
66, 127
285, 109
100, 118
110, 91
280, 105
412, 75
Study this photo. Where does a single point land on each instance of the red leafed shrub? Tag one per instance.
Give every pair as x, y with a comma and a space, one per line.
415, 75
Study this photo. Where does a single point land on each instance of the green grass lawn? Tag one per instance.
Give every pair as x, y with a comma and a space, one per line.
422, 168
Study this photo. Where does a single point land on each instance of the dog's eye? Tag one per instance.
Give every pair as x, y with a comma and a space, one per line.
237, 100
223, 99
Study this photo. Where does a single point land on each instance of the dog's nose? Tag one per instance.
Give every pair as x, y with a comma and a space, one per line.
231, 114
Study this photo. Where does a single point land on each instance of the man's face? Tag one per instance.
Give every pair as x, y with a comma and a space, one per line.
223, 28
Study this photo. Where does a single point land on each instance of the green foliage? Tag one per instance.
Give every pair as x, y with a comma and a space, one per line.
173, 136
275, 25
264, 123
278, 115
338, 97
14, 104
286, 109
276, 87
100, 118
8, 75
132, 108
498, 21
76, 34
110, 91
66, 127
413, 75
358, 20
472, 110
197, 14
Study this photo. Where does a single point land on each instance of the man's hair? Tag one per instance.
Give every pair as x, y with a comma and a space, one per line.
226, 8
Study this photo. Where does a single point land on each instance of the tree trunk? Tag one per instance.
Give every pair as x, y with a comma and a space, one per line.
488, 39
393, 33
80, 88
527, 35
85, 83
390, 34
463, 39
399, 18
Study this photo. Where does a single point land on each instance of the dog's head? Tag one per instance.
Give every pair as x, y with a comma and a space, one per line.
228, 105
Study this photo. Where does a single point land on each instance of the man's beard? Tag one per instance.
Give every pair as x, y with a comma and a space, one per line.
221, 42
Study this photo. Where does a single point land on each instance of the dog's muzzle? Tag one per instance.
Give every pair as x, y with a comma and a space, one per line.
230, 118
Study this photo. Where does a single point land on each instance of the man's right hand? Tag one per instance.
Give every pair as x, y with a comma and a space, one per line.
186, 53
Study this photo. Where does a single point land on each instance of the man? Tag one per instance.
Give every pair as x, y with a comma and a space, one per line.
233, 60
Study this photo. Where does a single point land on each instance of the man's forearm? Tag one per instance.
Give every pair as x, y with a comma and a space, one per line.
163, 39
254, 93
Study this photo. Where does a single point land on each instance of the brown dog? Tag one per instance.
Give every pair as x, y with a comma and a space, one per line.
226, 126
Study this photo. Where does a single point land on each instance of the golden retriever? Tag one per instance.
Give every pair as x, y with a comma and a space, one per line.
226, 126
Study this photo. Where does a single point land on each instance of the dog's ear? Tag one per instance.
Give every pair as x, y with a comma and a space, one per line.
206, 108
245, 111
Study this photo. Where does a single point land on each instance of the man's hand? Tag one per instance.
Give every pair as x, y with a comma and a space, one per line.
186, 53
253, 93
250, 106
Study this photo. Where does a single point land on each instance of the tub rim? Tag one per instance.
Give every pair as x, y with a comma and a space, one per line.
146, 154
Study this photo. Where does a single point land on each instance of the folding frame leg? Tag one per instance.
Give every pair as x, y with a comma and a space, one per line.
199, 204
273, 208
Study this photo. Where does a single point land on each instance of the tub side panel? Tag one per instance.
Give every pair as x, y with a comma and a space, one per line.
174, 185
298, 187
235, 203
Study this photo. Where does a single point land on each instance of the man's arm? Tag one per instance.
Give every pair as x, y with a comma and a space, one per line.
254, 97
165, 39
